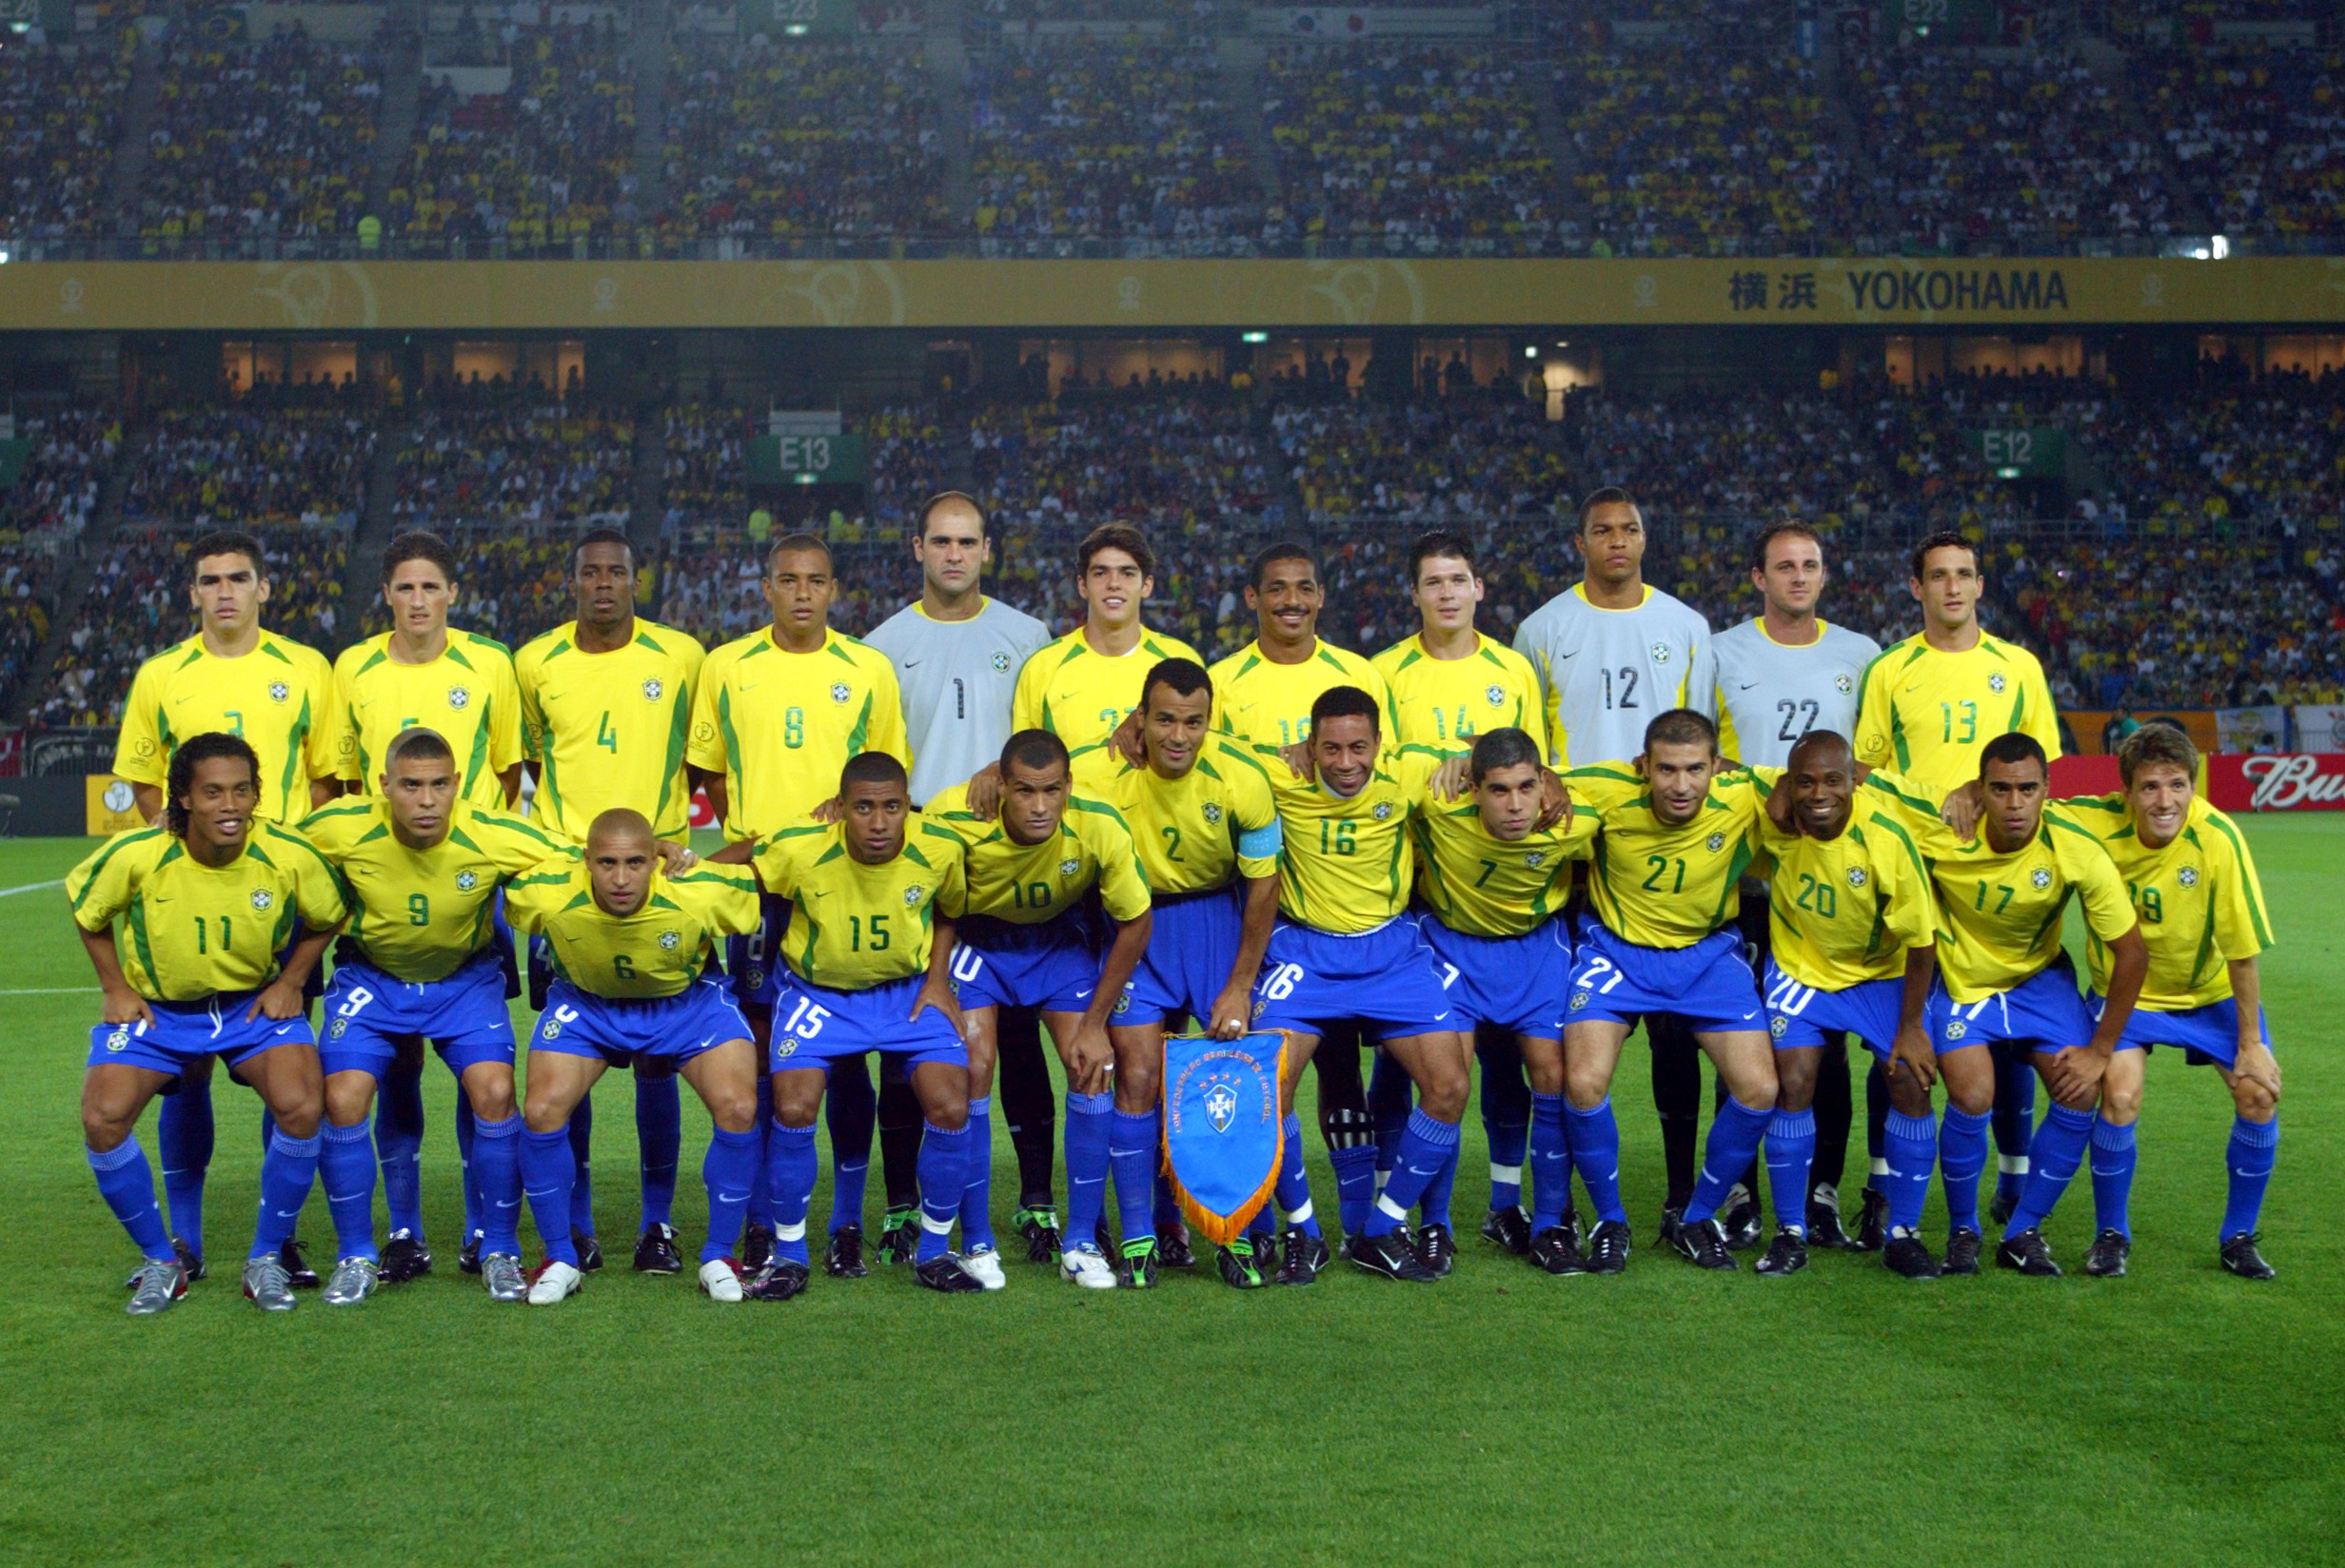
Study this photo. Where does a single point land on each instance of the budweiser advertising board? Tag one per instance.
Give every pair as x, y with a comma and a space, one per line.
2303, 781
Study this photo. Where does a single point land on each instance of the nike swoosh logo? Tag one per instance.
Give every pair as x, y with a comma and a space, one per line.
1751, 686
910, 663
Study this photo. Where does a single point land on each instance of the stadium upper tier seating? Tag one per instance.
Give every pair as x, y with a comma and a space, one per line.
60, 119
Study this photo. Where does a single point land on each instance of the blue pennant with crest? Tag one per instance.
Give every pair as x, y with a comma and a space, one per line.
1223, 1137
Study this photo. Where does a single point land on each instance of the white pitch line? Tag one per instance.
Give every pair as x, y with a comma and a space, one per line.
51, 991
32, 887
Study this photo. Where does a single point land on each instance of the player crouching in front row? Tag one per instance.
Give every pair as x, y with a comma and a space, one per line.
869, 955
201, 978
629, 945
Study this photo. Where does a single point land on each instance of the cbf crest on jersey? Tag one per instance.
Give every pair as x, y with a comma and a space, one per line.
652, 690
279, 691
1223, 1140
460, 697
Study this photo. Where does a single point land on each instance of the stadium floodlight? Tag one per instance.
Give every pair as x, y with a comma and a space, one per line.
1531, 351
796, 29
1254, 337
2218, 247
3, 256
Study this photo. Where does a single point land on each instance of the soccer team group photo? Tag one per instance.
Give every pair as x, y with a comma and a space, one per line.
1544, 780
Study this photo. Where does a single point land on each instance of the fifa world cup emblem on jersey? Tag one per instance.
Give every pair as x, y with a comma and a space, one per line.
652, 690
1995, 683
460, 697
279, 691
2042, 879
262, 898
840, 693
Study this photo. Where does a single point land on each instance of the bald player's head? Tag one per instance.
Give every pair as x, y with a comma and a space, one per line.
621, 857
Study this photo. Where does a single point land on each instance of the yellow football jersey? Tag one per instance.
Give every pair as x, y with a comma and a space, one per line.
419, 914
2198, 899
1080, 693
1999, 915
280, 698
781, 725
1485, 886
1845, 911
1195, 832
851, 926
1346, 863
1929, 714
1260, 703
1446, 703
608, 729
1668, 886
192, 930
657, 951
467, 693
1026, 884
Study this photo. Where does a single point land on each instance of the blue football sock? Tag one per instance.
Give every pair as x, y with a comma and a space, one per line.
1433, 1203
1131, 1158
1791, 1153
126, 1182
289, 1170
2058, 1149
1551, 1164
2113, 1176
851, 1112
1506, 1122
728, 1169
2015, 1121
1962, 1155
1355, 1183
1595, 1143
184, 1138
1736, 1133
1294, 1190
761, 1196
944, 1185
1911, 1144
399, 1142
467, 1127
976, 1178
2255, 1148
581, 1173
1392, 1095
549, 1167
790, 1177
1087, 1131
346, 1167
1426, 1145
497, 1170
660, 1142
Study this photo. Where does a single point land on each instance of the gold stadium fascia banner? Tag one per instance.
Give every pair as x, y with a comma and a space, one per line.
1898, 292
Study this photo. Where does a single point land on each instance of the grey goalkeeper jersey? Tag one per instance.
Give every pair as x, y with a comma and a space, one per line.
1770, 695
1606, 674
957, 678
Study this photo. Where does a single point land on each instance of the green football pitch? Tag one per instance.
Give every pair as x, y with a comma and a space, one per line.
1841, 1415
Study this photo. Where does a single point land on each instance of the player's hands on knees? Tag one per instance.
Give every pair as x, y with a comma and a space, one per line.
121, 1005
2075, 1076
985, 791
1960, 810
1911, 1052
2255, 1064
279, 999
937, 994
1088, 1053
1232, 1012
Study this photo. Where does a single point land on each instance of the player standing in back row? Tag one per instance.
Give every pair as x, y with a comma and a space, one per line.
1927, 708
1782, 675
1612, 653
957, 654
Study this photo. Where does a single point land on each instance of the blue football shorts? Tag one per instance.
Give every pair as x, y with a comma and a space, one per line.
1800, 1015
815, 1025
1709, 984
1518, 983
697, 1019
1385, 979
462, 1015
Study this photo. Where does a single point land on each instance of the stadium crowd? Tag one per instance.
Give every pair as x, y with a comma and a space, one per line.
251, 465
519, 463
273, 141
2259, 133
61, 109
808, 141
1131, 140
